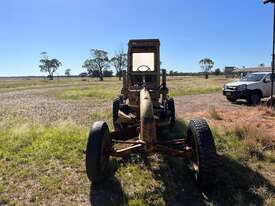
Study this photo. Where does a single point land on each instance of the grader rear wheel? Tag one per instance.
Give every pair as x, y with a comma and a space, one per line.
97, 152
203, 159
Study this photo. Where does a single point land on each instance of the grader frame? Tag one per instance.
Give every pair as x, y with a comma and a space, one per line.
140, 113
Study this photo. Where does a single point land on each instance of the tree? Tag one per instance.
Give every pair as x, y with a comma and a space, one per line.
98, 61
119, 61
206, 65
94, 73
68, 72
217, 71
171, 73
49, 65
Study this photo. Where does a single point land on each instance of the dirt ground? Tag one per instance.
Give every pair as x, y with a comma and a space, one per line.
43, 105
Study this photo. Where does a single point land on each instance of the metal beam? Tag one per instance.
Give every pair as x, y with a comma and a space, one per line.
268, 1
273, 49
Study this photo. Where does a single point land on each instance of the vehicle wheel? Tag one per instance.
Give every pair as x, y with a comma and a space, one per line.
97, 152
271, 103
231, 99
116, 103
204, 157
254, 99
170, 106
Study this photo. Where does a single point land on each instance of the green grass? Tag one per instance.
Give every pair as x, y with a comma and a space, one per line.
106, 90
178, 86
93, 92
40, 164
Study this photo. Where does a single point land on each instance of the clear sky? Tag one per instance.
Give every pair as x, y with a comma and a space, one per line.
231, 32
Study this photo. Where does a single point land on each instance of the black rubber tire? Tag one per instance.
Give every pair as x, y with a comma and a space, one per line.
116, 104
254, 99
204, 156
170, 106
97, 152
231, 99
271, 103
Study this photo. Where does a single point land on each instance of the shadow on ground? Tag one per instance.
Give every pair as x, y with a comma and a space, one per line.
235, 183
109, 192
241, 102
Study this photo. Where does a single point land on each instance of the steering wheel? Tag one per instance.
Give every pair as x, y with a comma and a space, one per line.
148, 68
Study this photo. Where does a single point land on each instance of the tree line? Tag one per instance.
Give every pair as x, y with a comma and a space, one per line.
98, 65
178, 73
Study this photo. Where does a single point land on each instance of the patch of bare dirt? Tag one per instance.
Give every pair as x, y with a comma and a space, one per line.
41, 105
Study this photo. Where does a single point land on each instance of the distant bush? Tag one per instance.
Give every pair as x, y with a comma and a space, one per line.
107, 73
214, 114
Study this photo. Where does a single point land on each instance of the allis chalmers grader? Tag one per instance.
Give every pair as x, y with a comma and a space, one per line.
141, 111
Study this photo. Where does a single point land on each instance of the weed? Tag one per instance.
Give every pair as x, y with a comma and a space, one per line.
214, 114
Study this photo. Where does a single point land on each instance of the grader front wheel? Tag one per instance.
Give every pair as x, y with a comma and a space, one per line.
170, 106
97, 152
204, 157
116, 103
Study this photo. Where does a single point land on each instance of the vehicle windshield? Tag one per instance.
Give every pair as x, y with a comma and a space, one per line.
252, 77
143, 62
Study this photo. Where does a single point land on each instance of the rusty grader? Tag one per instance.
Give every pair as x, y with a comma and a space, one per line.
140, 113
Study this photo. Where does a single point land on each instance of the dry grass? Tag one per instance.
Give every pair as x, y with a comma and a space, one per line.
214, 114
252, 147
180, 86
255, 140
29, 83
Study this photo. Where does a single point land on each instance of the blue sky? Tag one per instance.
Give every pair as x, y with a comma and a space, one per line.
231, 32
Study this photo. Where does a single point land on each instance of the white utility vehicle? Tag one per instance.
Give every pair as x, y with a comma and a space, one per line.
251, 87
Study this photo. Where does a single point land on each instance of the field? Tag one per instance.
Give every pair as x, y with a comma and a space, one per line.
43, 132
